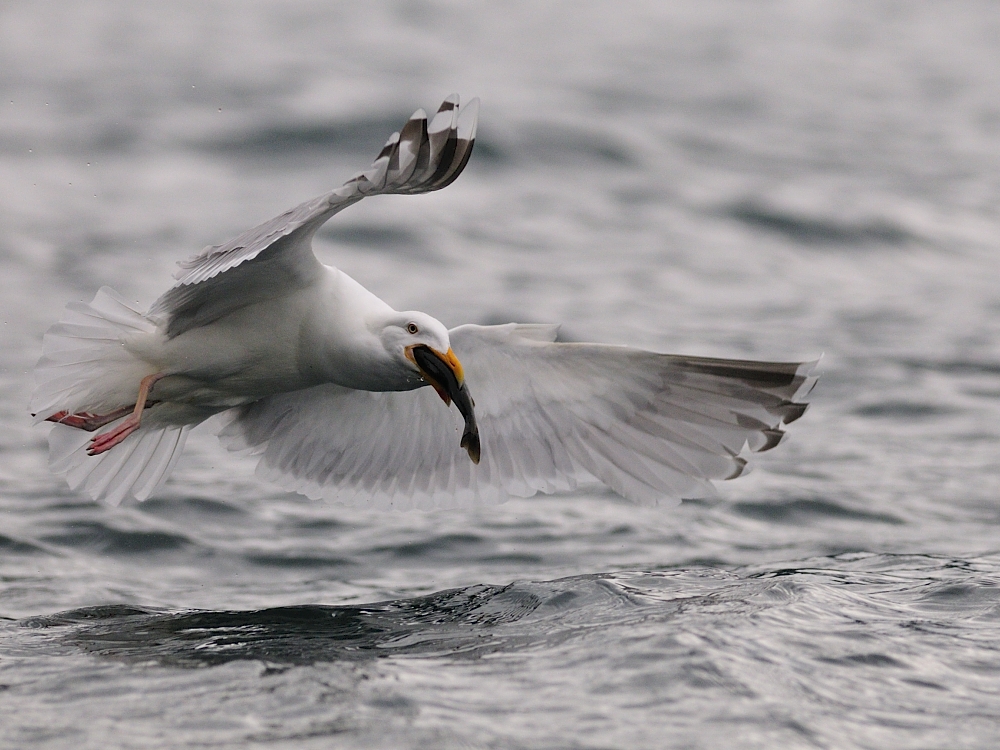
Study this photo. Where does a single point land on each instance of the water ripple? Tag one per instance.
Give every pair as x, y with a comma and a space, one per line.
481, 619
100, 537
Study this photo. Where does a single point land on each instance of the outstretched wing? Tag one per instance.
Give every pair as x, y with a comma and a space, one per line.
276, 257
650, 426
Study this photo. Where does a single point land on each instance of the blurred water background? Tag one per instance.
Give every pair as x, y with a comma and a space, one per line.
766, 180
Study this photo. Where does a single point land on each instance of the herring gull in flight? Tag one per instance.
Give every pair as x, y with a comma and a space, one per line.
325, 382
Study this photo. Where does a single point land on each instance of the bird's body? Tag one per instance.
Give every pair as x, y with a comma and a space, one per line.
321, 333
325, 381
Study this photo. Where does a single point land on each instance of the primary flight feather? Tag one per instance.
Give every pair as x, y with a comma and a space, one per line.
325, 381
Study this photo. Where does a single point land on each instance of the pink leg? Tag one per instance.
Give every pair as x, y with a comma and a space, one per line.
108, 440
87, 421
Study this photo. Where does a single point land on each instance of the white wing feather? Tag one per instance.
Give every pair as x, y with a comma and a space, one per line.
275, 258
650, 426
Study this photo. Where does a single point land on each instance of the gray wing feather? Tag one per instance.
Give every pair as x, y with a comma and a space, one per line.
276, 257
551, 415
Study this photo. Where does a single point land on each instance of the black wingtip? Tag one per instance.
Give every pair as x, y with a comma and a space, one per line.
773, 438
740, 468
793, 411
445, 146
389, 146
450, 102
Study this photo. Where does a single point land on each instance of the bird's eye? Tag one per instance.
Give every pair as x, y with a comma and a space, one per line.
412, 328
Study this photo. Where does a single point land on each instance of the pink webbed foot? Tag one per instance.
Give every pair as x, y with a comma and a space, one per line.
84, 420
108, 440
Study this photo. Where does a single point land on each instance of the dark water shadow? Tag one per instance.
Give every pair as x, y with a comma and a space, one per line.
458, 623
454, 622
955, 366
13, 546
898, 409
819, 230
806, 510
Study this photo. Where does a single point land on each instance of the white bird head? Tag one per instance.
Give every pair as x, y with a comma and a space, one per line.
423, 343
412, 328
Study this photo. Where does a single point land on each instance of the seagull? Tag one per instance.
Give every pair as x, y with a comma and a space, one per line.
303, 367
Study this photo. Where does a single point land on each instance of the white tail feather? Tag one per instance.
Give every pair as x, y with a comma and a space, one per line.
86, 367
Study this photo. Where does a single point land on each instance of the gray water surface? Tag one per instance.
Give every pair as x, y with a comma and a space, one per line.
769, 181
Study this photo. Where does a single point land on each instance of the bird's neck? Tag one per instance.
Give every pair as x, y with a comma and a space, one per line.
341, 342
